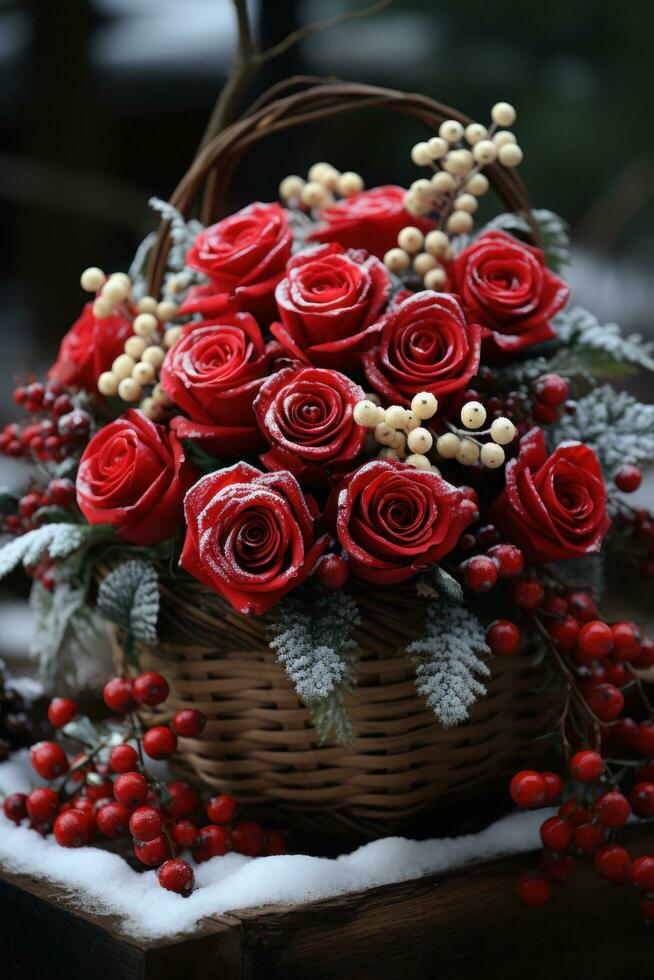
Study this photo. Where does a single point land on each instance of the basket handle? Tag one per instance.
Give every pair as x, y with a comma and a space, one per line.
209, 176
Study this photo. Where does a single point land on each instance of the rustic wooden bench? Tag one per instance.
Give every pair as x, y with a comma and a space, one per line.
464, 923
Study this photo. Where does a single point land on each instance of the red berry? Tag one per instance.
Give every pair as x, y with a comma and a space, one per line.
551, 389
332, 572
49, 760
642, 799
575, 812
557, 834
101, 790
627, 640
29, 504
274, 843
642, 873
146, 823
645, 739
13, 807
613, 863
553, 788
555, 605
588, 837
79, 767
221, 809
247, 838
628, 478
479, 573
152, 852
612, 809
582, 606
645, 774
587, 766
113, 819
528, 789
19, 394
184, 833
118, 695
626, 734
61, 493
159, 742
74, 829
533, 890
645, 658
544, 414
211, 841
510, 559
184, 800
131, 789
189, 722
503, 637
177, 876
558, 867
616, 674
150, 688
595, 639
527, 593
606, 701
564, 633
123, 758
60, 711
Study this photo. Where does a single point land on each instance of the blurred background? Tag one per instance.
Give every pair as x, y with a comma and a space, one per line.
103, 103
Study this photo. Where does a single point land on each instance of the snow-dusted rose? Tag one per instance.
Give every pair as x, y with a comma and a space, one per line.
370, 219
133, 475
244, 257
213, 374
328, 301
394, 520
506, 286
90, 347
426, 344
307, 416
250, 536
553, 506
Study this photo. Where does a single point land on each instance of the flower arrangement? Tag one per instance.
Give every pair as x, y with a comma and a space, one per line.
353, 387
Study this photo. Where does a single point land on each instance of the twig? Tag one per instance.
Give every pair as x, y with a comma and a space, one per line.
248, 60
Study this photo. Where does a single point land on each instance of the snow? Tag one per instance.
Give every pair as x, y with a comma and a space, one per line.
104, 883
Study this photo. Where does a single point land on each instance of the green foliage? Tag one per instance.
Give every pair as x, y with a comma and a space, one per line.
129, 597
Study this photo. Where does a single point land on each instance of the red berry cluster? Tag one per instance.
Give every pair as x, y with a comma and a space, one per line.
500, 561
108, 791
585, 827
637, 526
550, 392
59, 493
58, 429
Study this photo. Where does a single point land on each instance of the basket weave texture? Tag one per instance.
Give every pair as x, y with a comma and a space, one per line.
259, 743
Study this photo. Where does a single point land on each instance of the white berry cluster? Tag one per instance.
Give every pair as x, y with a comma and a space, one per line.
466, 448
398, 430
456, 156
134, 375
318, 190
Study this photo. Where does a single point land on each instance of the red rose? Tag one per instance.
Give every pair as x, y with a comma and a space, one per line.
426, 344
133, 475
213, 373
506, 286
307, 415
371, 220
250, 536
244, 257
89, 348
553, 507
394, 521
328, 301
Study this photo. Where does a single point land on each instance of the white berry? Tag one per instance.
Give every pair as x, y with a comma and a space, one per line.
466, 202
450, 130
477, 184
435, 279
101, 308
349, 183
458, 162
437, 243
397, 260
92, 279
123, 366
484, 151
420, 440
412, 422
366, 413
419, 461
291, 187
147, 304
154, 355
468, 452
424, 405
448, 445
144, 324
459, 222
129, 390
143, 373
384, 434
325, 174
421, 155
410, 239
473, 415
107, 383
442, 182
475, 132
166, 310
503, 114
438, 147
396, 416
510, 155
424, 263
421, 188
502, 431
314, 195
492, 455
503, 137
150, 408
134, 346
172, 335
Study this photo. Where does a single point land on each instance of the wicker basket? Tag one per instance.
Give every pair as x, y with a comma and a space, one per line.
259, 743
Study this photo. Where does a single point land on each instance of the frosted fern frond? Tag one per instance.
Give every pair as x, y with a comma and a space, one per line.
59, 540
448, 662
129, 597
315, 646
552, 230
614, 424
581, 330
64, 630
